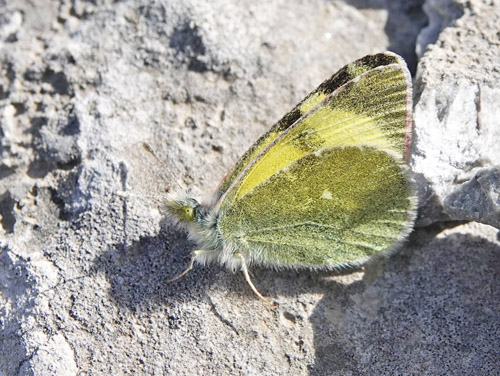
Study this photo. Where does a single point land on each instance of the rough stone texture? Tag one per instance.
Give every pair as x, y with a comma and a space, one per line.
82, 269
456, 154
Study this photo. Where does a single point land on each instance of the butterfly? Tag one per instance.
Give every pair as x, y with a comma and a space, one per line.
326, 188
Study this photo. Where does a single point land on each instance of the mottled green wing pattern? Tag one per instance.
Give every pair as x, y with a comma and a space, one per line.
331, 209
344, 75
371, 110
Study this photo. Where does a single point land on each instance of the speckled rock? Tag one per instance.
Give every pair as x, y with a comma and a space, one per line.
456, 157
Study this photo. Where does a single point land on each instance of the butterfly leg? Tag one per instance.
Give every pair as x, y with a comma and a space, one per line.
244, 269
194, 255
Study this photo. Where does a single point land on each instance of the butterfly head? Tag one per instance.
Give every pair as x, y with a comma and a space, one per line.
198, 219
184, 209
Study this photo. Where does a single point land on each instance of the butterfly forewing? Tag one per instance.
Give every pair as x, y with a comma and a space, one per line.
344, 75
368, 111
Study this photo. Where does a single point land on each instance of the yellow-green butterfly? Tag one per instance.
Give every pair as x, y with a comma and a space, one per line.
327, 187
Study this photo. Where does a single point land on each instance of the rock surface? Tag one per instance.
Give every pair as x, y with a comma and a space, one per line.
82, 269
456, 154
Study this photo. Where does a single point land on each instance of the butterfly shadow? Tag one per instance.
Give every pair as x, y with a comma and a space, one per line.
432, 309
138, 272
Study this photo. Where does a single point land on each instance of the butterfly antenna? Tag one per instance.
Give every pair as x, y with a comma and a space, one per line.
123, 194
244, 269
186, 271
152, 151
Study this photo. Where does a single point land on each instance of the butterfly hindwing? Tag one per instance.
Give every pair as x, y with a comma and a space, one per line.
335, 208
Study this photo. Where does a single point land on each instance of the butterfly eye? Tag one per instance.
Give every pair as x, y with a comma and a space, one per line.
187, 213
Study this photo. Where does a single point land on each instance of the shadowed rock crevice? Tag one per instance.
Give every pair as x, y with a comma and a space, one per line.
7, 216
187, 41
402, 34
55, 143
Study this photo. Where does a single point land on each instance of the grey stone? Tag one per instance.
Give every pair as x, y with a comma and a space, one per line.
456, 155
